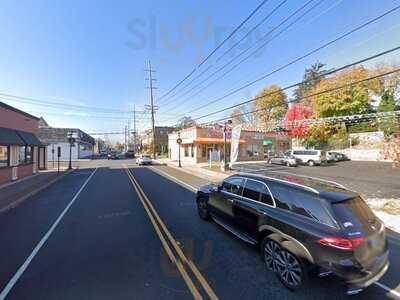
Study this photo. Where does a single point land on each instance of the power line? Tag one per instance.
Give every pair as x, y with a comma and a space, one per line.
256, 50
16, 98
216, 49
251, 30
302, 98
297, 59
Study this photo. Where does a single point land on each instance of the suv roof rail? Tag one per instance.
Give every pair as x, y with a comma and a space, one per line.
281, 180
316, 178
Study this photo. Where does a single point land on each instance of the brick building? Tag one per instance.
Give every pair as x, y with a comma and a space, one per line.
161, 135
201, 143
21, 152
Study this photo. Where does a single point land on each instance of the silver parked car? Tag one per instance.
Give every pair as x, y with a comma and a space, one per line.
282, 159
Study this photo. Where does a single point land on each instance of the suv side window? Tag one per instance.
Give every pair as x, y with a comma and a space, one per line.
233, 185
282, 196
302, 203
253, 189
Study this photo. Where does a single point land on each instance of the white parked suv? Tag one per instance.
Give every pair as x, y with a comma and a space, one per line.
309, 157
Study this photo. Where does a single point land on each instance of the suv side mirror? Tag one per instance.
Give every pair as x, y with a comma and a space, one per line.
219, 187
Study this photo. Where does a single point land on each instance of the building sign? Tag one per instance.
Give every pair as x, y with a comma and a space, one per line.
217, 132
235, 143
267, 142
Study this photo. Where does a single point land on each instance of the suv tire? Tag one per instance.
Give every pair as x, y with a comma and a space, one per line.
269, 250
290, 270
311, 163
202, 209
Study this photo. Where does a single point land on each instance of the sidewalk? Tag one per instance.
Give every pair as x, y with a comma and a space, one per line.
14, 193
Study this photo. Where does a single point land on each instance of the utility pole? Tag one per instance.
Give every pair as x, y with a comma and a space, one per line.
151, 107
134, 130
125, 138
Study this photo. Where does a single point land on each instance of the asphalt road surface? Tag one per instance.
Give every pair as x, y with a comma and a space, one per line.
117, 231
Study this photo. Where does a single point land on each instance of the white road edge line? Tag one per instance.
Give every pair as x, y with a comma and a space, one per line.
184, 184
397, 294
388, 289
35, 251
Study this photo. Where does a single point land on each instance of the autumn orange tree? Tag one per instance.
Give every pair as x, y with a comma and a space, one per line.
353, 99
271, 102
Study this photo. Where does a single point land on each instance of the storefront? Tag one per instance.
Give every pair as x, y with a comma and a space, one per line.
202, 144
20, 149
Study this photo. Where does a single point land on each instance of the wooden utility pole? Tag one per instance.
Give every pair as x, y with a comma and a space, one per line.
151, 107
134, 130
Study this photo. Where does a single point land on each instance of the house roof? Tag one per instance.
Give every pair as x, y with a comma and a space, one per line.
9, 107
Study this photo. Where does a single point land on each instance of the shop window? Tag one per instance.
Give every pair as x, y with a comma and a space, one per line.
186, 150
4, 156
252, 150
29, 154
22, 155
203, 151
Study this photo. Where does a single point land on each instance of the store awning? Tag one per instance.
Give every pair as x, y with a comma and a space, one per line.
10, 137
210, 141
29, 138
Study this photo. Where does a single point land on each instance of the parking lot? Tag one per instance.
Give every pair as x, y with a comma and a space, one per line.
372, 179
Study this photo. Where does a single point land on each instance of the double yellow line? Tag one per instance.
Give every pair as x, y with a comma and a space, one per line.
184, 265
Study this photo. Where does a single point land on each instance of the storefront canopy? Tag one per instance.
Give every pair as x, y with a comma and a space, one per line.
10, 137
29, 138
210, 141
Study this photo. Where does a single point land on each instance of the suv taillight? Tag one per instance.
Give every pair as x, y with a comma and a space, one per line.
342, 243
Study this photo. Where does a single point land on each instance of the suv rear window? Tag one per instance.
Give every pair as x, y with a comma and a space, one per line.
354, 214
302, 203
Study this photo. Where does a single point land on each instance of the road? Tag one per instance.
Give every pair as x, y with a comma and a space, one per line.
117, 231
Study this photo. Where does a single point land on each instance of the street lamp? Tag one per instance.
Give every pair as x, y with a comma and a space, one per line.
71, 141
226, 168
179, 141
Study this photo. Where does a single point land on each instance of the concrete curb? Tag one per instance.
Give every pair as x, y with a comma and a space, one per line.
205, 174
34, 192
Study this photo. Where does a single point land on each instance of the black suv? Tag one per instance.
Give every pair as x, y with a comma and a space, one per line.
303, 225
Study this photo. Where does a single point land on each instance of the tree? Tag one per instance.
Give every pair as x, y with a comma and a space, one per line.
295, 120
119, 146
312, 76
387, 102
272, 103
185, 122
244, 115
353, 99
319, 135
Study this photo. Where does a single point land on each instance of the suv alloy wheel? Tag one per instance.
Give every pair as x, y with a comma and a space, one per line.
289, 269
269, 250
311, 163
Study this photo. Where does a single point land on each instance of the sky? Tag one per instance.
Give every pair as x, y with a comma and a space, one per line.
91, 56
